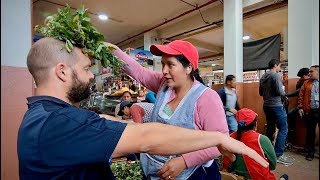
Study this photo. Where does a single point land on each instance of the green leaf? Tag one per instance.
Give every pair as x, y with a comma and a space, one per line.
99, 48
86, 19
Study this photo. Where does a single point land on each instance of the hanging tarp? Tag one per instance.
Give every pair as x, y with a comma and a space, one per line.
257, 54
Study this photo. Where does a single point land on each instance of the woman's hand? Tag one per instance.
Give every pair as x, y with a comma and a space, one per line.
111, 47
172, 168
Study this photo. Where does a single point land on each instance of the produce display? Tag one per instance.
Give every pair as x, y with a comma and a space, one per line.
75, 29
129, 170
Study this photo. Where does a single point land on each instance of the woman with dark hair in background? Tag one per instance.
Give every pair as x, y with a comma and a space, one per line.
182, 100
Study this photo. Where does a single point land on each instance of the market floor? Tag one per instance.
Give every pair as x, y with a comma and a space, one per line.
301, 168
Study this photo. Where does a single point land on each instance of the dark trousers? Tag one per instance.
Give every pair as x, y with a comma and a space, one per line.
312, 120
291, 116
209, 173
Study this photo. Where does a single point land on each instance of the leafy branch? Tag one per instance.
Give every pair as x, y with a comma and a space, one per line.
75, 29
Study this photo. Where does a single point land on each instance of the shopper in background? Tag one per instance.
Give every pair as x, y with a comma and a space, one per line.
230, 102
271, 88
150, 96
308, 104
131, 85
141, 95
181, 101
303, 73
126, 96
244, 166
138, 112
57, 140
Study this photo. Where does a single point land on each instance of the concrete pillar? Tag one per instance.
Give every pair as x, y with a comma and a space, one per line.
150, 38
285, 43
303, 47
233, 43
303, 35
315, 32
16, 81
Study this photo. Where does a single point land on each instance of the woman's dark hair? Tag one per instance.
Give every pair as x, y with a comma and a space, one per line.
127, 92
195, 74
303, 72
242, 129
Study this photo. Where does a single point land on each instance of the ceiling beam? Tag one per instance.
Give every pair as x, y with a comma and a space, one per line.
204, 45
219, 23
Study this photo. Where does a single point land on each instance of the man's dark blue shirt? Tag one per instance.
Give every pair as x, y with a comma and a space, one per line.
59, 141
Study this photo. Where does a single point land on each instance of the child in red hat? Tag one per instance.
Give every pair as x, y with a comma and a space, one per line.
243, 165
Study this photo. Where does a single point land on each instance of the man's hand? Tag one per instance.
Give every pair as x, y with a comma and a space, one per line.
301, 113
172, 168
229, 146
234, 111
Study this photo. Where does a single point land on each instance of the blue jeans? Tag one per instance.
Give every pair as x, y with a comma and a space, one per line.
232, 123
276, 116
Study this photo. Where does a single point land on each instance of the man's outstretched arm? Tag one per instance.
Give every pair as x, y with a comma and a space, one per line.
161, 139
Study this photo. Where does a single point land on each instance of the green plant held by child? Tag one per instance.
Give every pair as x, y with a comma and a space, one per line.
75, 29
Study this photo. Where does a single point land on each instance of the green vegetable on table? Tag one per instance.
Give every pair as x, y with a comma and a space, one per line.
75, 29
129, 170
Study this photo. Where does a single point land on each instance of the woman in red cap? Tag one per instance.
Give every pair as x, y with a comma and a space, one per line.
245, 166
182, 100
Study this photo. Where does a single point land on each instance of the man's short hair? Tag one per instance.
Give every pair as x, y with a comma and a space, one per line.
315, 66
230, 77
273, 62
45, 54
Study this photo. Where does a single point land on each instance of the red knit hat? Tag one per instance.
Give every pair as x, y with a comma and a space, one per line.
178, 47
246, 116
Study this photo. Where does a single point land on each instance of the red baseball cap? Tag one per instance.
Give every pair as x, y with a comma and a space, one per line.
246, 115
178, 47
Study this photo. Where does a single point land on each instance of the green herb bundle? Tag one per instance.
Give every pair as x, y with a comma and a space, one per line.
75, 29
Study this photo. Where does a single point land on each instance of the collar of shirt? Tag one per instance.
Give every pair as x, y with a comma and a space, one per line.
34, 99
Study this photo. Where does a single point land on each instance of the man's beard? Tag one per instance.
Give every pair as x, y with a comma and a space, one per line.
79, 90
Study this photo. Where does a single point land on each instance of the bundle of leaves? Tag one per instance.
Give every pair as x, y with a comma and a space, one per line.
129, 170
75, 29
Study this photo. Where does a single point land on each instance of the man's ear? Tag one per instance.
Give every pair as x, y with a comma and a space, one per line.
61, 71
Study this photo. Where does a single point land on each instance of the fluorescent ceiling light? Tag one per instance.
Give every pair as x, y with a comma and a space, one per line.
103, 17
246, 37
213, 64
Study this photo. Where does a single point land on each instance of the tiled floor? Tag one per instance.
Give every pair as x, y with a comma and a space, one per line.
301, 168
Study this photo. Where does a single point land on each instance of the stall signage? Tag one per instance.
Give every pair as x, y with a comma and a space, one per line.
250, 76
141, 56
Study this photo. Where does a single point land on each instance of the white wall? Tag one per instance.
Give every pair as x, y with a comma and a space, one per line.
15, 32
303, 35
